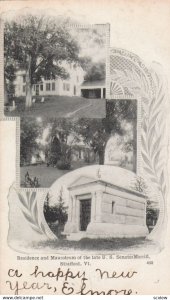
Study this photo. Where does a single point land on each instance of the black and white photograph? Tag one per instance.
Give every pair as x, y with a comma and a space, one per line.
100, 208
50, 148
54, 66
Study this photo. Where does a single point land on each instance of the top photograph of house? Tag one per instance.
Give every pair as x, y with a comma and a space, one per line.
54, 67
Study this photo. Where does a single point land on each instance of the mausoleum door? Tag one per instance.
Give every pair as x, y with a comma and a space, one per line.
85, 214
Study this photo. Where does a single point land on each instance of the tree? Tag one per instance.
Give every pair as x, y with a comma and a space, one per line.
140, 186
96, 71
58, 148
56, 213
62, 128
96, 132
54, 151
38, 45
126, 110
9, 88
9, 64
30, 131
152, 213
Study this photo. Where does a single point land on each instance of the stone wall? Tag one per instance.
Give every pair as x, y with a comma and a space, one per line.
125, 211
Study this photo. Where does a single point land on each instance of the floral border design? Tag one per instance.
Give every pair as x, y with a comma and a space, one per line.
30, 211
153, 145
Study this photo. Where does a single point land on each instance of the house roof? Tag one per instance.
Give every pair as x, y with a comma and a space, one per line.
97, 83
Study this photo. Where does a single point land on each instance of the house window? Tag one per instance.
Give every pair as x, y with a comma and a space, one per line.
24, 78
48, 86
41, 87
113, 207
24, 88
79, 153
53, 86
66, 86
34, 87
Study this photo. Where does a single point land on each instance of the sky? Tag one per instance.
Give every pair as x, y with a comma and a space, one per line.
92, 43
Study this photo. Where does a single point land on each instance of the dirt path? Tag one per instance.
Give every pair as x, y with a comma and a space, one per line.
71, 114
95, 109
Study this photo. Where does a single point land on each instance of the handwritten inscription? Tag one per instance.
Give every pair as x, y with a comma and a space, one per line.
62, 281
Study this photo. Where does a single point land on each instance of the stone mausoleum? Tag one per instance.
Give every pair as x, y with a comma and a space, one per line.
98, 209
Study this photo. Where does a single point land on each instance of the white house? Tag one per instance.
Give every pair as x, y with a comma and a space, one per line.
83, 153
93, 89
68, 87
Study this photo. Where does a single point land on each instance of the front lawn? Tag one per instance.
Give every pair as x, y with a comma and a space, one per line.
60, 106
47, 175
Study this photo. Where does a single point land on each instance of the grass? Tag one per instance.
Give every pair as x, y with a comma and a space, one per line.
60, 106
111, 244
47, 175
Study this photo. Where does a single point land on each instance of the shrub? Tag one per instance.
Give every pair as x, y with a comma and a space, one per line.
56, 215
63, 165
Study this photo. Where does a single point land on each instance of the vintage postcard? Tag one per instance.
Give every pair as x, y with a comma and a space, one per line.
84, 157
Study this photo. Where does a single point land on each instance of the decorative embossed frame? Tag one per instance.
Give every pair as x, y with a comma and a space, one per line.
127, 78
131, 79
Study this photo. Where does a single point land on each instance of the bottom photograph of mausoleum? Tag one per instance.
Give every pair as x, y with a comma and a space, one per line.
100, 205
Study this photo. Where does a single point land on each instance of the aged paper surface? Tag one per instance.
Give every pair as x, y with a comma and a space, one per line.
84, 153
